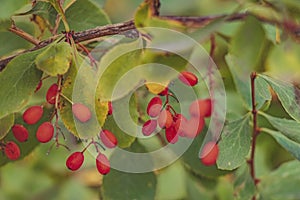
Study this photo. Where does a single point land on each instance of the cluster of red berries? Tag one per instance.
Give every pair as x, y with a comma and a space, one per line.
45, 131
175, 124
76, 159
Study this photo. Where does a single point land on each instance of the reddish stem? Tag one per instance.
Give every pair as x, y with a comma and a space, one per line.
255, 131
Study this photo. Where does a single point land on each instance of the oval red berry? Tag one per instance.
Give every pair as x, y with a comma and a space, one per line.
180, 124
102, 164
188, 78
75, 161
12, 151
51, 93
209, 153
20, 132
201, 108
171, 135
194, 127
45, 132
81, 112
108, 139
164, 92
149, 127
165, 119
33, 114
154, 107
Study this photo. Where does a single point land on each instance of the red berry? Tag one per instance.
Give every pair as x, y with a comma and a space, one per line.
171, 135
74, 161
201, 108
154, 107
102, 163
209, 153
194, 127
164, 92
110, 108
180, 123
165, 119
45, 132
33, 114
81, 112
188, 78
12, 151
51, 93
20, 132
108, 139
38, 87
149, 127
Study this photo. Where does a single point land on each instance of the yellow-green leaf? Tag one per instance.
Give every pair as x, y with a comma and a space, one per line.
55, 59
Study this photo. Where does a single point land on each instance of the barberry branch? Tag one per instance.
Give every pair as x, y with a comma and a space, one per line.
119, 28
255, 131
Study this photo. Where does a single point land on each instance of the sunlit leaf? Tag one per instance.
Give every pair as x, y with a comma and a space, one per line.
55, 59
18, 82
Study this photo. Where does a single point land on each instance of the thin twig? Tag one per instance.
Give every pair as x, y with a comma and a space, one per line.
24, 35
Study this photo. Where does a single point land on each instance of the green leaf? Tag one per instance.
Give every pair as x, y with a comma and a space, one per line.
166, 189
192, 162
135, 185
80, 19
114, 65
144, 18
283, 183
5, 124
15, 42
244, 187
242, 84
8, 8
289, 128
45, 10
234, 144
32, 142
288, 94
79, 87
154, 72
17, 83
247, 44
125, 127
55, 59
290, 145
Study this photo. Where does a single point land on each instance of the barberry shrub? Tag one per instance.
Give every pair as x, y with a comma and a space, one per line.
67, 109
